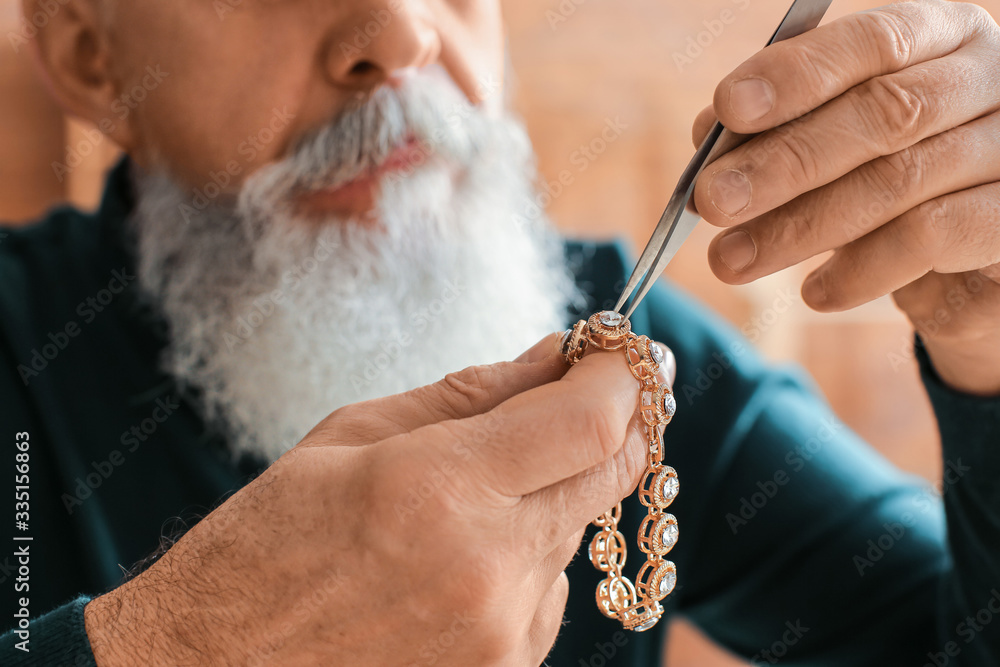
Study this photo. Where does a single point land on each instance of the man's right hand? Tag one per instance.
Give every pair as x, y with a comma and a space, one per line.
432, 527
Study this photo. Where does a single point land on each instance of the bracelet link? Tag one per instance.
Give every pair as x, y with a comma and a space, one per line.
637, 606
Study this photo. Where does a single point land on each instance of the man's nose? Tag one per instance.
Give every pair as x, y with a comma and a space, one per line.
378, 39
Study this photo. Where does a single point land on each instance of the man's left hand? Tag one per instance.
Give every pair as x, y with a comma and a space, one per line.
880, 141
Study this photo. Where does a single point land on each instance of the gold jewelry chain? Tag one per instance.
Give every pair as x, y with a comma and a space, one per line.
636, 606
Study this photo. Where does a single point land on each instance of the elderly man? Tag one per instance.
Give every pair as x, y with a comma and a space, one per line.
312, 229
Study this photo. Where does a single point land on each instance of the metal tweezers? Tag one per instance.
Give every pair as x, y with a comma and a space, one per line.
679, 218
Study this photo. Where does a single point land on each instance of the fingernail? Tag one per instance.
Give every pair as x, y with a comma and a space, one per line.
539, 350
751, 99
730, 191
814, 289
737, 250
668, 364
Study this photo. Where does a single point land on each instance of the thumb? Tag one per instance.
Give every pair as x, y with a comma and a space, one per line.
466, 393
702, 124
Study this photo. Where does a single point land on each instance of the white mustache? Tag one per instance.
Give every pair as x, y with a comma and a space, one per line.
426, 109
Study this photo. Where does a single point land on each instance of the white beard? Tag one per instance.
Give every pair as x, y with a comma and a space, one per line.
277, 321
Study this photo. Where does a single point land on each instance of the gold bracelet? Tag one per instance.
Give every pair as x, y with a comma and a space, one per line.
636, 606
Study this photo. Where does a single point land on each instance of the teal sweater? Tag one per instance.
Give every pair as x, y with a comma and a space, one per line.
799, 543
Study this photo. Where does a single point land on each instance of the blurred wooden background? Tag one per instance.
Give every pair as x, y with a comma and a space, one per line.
652, 65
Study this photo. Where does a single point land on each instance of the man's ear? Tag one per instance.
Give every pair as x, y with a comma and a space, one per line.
73, 50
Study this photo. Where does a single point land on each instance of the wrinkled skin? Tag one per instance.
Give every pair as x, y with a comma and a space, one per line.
893, 106
882, 143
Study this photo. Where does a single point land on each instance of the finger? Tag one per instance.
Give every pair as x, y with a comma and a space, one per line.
958, 232
556, 560
863, 200
560, 509
922, 302
472, 391
546, 434
547, 621
668, 368
795, 76
703, 122
564, 507
880, 117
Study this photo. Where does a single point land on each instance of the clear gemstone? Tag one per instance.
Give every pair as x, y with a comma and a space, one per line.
669, 404
610, 318
669, 538
668, 582
656, 352
647, 624
670, 488
620, 595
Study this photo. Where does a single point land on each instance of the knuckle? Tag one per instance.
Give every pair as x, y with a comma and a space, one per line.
921, 235
815, 66
801, 157
594, 419
979, 16
901, 172
791, 227
890, 34
933, 216
346, 417
469, 388
474, 586
354, 424
603, 481
630, 461
894, 113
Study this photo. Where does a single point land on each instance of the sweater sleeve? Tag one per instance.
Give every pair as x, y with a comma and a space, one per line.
56, 639
970, 596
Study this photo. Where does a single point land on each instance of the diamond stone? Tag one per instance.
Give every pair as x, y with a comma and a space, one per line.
668, 582
669, 535
620, 595
669, 405
670, 488
646, 625
656, 352
610, 318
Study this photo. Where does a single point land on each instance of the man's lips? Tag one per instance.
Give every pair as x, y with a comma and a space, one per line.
358, 194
